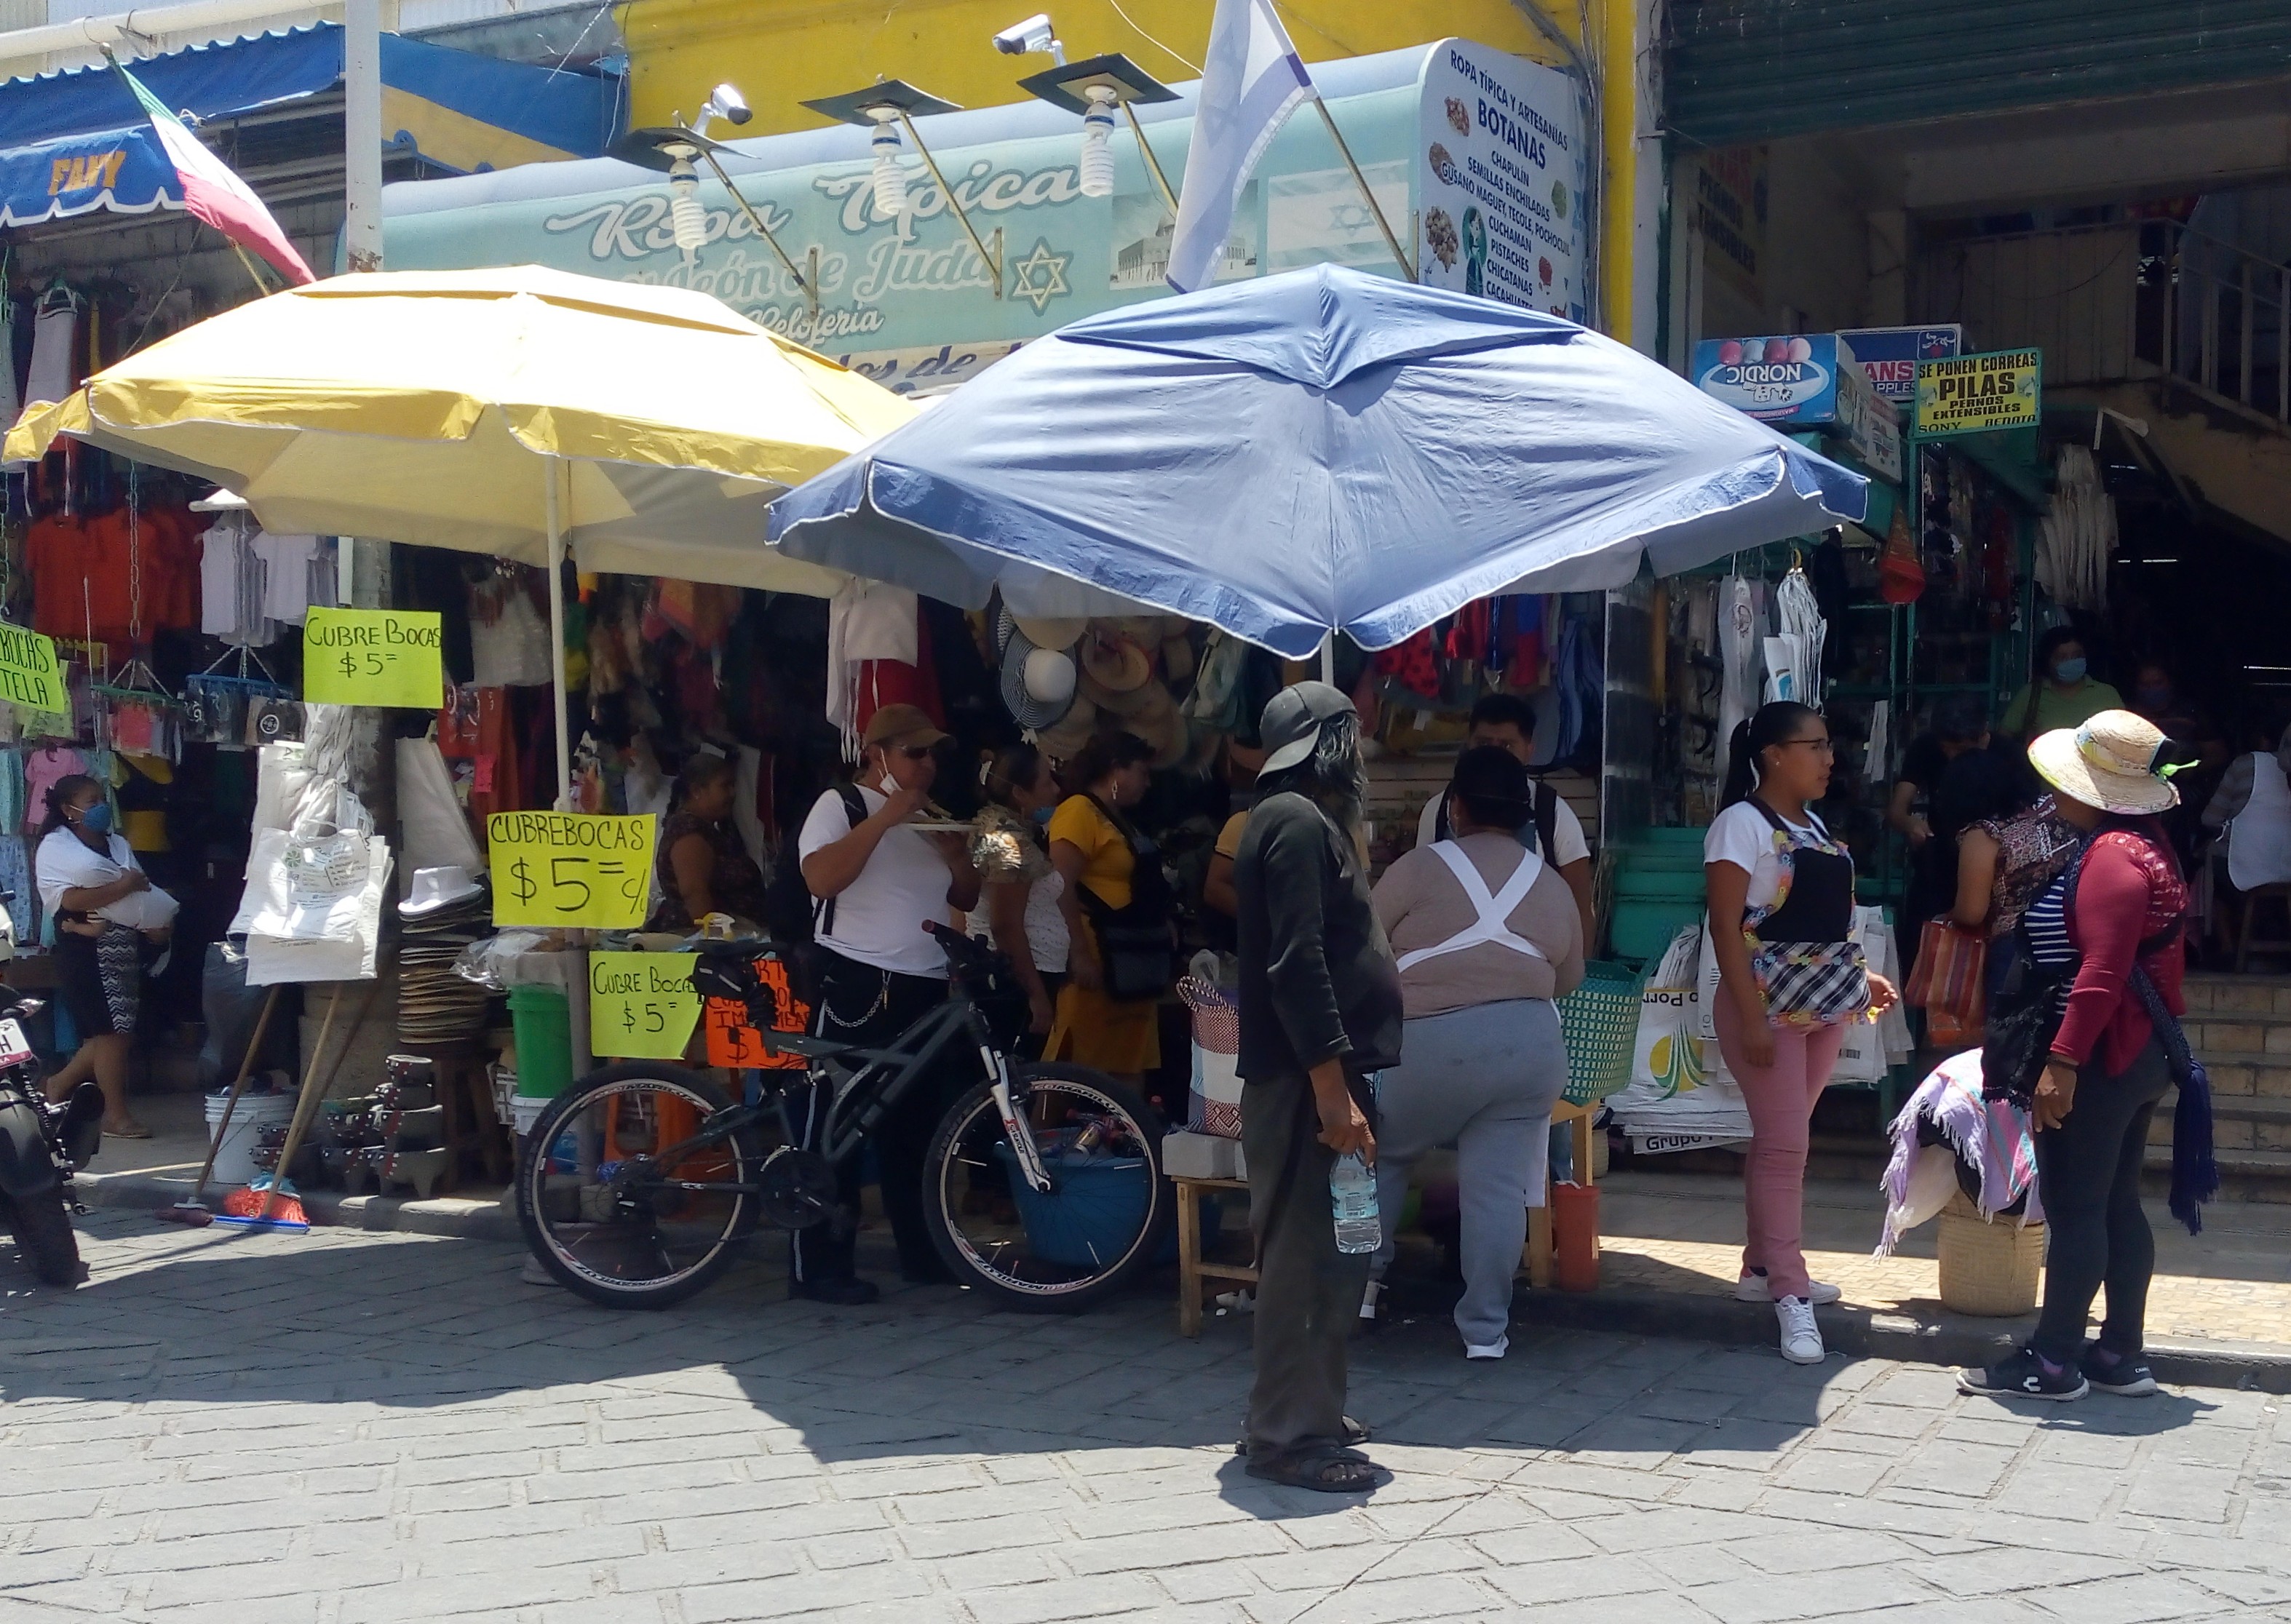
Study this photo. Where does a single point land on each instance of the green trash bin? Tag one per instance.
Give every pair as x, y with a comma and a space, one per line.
543, 1019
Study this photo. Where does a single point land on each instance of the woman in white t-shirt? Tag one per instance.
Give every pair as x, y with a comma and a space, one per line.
87, 876
1021, 915
1790, 979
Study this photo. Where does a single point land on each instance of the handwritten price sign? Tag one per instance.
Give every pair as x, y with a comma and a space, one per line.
29, 674
732, 1043
570, 869
375, 657
641, 1006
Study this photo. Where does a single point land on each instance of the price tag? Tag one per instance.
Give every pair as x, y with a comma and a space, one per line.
570, 869
733, 1041
641, 1006
29, 672
375, 657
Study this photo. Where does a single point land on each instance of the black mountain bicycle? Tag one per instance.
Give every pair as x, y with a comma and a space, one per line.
1042, 1186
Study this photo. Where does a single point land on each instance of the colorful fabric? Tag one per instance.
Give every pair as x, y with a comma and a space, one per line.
1807, 984
1992, 1137
2034, 848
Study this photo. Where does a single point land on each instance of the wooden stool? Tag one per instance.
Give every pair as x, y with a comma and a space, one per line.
461, 1089
1191, 1270
1538, 1260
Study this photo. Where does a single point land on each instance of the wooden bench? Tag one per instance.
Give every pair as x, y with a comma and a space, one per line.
1194, 1275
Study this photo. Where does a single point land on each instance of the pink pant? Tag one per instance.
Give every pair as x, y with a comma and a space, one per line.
1780, 1098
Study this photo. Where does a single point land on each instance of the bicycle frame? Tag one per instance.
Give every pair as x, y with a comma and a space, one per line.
862, 1092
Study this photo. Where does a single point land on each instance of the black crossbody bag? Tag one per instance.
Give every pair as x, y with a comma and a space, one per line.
1137, 953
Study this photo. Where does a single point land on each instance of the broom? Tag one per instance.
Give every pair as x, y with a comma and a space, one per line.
194, 1212
267, 1203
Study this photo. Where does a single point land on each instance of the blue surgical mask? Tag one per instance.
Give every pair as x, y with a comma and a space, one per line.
97, 818
1042, 816
2071, 670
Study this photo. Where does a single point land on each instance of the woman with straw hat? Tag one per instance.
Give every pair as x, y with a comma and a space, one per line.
2105, 956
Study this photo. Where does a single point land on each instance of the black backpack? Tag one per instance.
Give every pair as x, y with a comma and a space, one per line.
793, 915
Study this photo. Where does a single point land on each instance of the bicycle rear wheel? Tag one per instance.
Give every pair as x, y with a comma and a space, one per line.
600, 1212
1062, 1250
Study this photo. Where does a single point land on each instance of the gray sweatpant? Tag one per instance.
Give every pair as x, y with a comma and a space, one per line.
1308, 1293
1484, 1079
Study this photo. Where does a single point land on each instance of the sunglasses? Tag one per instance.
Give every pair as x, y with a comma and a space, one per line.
917, 752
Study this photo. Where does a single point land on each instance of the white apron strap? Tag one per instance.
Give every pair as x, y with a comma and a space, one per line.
1493, 923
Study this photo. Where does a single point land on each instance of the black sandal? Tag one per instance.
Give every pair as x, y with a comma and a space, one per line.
1355, 1435
1339, 1471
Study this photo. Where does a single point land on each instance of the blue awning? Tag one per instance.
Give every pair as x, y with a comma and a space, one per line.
76, 141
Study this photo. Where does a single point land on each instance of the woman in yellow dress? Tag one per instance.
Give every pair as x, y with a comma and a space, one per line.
1113, 877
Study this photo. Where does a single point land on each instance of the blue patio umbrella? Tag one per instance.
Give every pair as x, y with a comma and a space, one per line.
1315, 451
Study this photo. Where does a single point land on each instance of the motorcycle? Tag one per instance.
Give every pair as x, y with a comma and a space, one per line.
42, 1145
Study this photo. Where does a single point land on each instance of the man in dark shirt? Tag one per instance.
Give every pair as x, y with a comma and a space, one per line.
1320, 1013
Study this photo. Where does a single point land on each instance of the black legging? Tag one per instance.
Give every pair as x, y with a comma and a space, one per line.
2088, 1173
866, 1005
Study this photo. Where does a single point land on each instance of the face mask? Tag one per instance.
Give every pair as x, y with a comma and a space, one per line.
97, 818
1042, 816
2071, 670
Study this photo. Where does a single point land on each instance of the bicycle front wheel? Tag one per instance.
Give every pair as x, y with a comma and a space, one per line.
1062, 1250
596, 1188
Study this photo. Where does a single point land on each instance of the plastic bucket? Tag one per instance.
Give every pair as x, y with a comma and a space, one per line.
234, 1161
543, 1019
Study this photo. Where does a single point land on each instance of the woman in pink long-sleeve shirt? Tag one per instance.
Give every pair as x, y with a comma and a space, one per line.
2115, 915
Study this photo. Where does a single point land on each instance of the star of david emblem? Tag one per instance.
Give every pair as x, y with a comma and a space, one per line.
1350, 217
1041, 276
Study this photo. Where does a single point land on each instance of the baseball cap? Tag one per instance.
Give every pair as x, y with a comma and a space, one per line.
901, 725
1291, 724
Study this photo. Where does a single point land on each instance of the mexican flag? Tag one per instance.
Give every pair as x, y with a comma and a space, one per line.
214, 192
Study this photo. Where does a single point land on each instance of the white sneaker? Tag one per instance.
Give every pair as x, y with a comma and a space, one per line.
1753, 1289
1801, 1337
1496, 1349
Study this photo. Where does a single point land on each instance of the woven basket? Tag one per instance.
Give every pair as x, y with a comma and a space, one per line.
1987, 1268
1599, 1022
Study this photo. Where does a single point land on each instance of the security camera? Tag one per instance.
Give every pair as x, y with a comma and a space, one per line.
1034, 34
725, 101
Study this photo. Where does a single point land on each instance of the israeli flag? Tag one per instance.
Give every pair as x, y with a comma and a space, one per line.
1253, 80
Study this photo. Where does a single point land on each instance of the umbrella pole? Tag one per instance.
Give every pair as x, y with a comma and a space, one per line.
556, 635
1329, 659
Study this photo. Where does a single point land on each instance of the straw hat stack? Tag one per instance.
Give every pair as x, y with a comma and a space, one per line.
1066, 679
444, 914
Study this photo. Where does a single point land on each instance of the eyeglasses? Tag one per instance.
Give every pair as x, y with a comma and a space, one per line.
1822, 746
916, 752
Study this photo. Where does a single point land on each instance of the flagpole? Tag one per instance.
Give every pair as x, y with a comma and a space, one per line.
1344, 152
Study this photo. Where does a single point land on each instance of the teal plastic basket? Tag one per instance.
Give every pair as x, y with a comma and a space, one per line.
1599, 1022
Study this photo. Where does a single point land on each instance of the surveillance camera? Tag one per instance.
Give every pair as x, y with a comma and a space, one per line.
727, 100
1034, 34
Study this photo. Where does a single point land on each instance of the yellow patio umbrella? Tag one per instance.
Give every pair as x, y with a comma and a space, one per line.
520, 412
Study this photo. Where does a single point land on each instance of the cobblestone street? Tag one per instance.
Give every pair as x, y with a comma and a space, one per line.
348, 1426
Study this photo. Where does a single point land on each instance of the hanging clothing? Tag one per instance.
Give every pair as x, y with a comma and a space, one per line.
1741, 624
508, 638
2259, 837
55, 367
285, 575
868, 621
42, 769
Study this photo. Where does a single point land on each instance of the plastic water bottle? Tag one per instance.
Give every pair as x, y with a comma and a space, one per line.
1352, 1190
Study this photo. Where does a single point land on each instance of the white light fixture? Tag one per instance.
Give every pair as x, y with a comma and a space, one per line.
685, 213
1096, 89
1097, 169
891, 180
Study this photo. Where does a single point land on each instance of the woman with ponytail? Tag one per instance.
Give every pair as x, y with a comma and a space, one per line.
1790, 979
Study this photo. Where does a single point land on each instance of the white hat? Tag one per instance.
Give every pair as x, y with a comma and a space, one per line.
438, 887
2109, 762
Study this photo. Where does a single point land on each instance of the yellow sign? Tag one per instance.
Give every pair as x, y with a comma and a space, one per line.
375, 657
1968, 394
641, 1006
570, 869
30, 675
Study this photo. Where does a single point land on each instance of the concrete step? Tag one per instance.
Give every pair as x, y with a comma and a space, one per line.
2265, 999
2244, 1175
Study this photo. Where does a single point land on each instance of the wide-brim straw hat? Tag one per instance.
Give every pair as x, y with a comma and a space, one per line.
1051, 632
1163, 725
1063, 740
2109, 761
1113, 662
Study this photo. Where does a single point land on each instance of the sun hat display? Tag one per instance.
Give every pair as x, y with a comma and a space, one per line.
1038, 683
1063, 740
1177, 653
1160, 724
438, 887
1119, 702
2113, 761
1291, 725
1045, 631
1113, 662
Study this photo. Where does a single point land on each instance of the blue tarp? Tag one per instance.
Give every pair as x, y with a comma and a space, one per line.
75, 142
1322, 449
